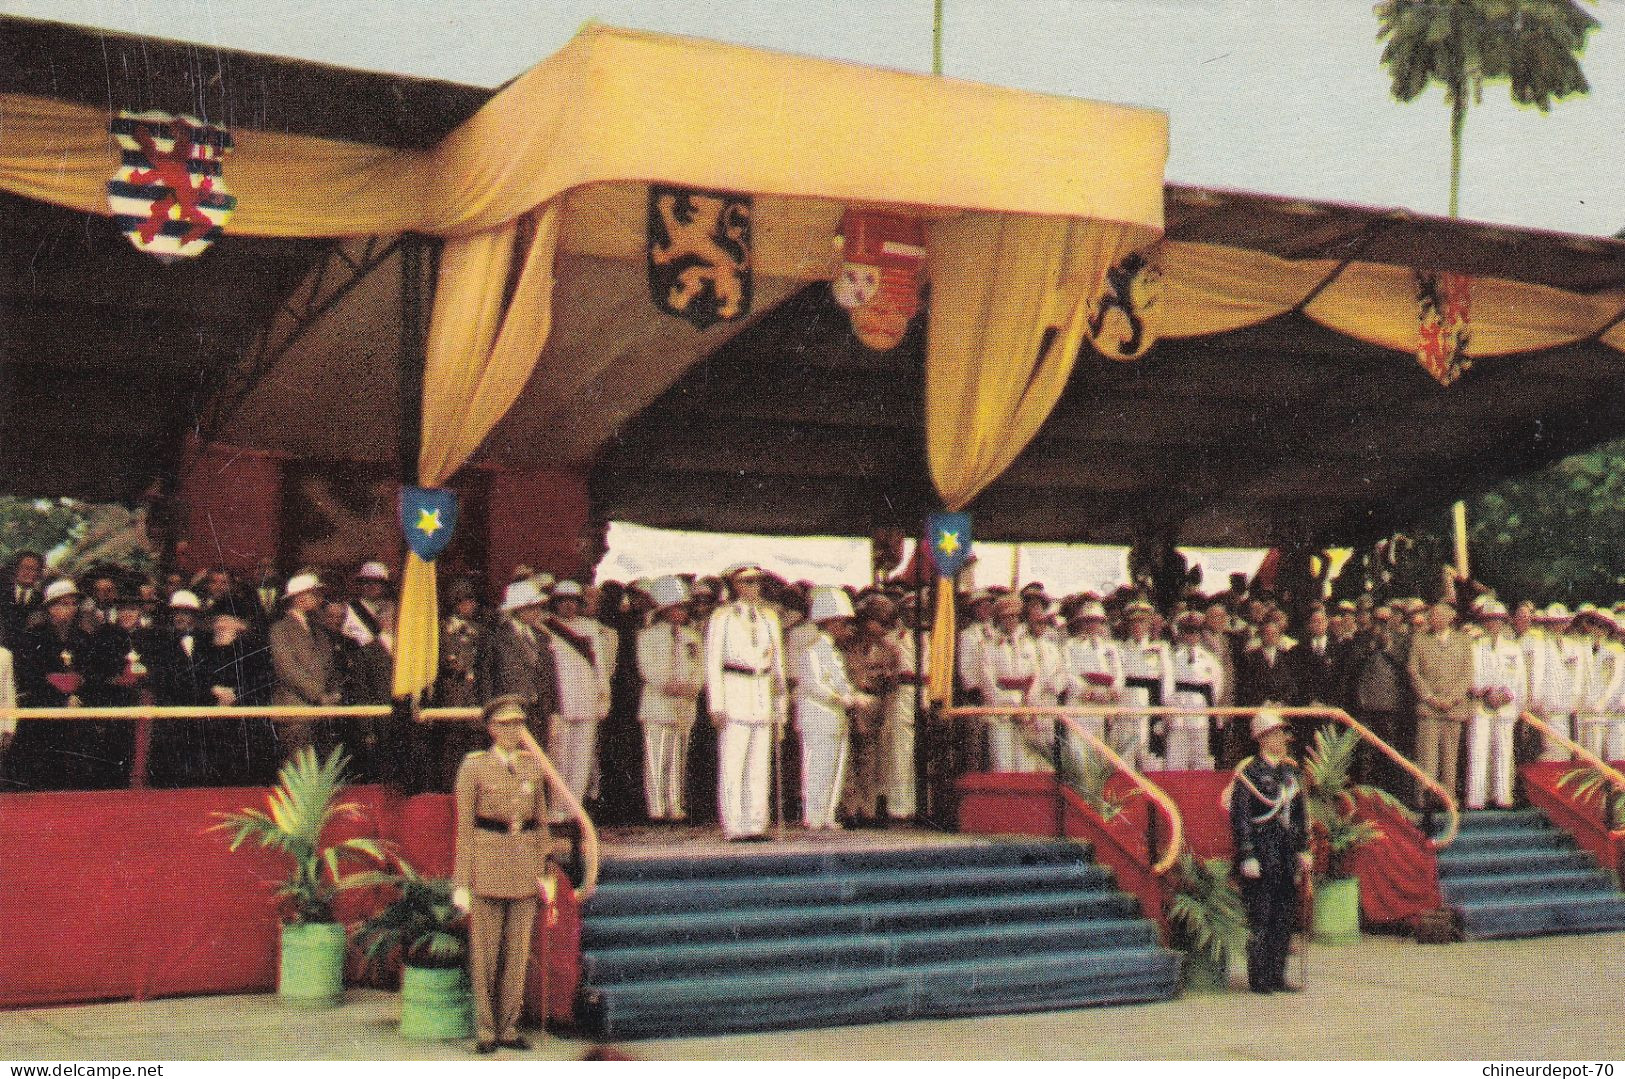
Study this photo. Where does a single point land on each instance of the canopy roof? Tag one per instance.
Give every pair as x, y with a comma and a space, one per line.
1282, 429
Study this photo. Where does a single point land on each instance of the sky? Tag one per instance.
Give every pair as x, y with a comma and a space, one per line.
1280, 97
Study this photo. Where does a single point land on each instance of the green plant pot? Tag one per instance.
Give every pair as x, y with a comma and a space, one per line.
436, 1004
1337, 911
1203, 975
312, 971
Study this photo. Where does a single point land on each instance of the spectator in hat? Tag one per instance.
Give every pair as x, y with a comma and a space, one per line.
1558, 680
671, 664
52, 666
234, 670
518, 661
1148, 679
1009, 671
302, 657
872, 662
1198, 681
825, 696
1093, 664
745, 686
910, 642
584, 690
1604, 679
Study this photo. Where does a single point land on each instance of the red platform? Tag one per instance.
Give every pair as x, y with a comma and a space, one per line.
121, 894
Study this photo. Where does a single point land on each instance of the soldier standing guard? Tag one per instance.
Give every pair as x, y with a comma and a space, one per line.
1269, 824
671, 667
500, 869
745, 686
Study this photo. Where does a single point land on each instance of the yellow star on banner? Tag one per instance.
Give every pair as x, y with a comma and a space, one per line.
948, 542
428, 522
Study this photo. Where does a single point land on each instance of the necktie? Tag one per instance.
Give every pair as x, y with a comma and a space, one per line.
186, 645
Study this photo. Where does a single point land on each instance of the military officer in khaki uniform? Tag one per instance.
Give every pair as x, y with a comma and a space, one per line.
500, 867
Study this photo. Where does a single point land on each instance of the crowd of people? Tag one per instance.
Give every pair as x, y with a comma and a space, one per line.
617, 679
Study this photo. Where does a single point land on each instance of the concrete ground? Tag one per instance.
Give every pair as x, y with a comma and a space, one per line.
1384, 998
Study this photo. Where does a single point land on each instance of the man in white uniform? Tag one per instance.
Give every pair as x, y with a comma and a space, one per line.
1148, 676
1198, 682
1556, 685
1604, 675
1009, 671
913, 645
1499, 688
745, 688
672, 666
583, 673
824, 695
1094, 665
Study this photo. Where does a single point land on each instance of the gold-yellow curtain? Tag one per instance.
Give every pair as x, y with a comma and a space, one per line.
479, 357
1009, 308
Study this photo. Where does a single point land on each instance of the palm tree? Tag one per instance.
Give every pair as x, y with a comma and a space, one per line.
1533, 45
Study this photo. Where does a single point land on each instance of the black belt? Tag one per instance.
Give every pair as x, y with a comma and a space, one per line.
1153, 686
1196, 687
491, 824
740, 668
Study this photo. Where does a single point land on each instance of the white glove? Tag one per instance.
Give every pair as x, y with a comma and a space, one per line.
548, 886
460, 899
1251, 869
1306, 859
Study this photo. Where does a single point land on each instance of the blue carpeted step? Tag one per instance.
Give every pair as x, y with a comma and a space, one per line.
1505, 839
1495, 887
845, 887
1538, 916
1474, 819
752, 866
605, 931
765, 1001
1526, 860
603, 967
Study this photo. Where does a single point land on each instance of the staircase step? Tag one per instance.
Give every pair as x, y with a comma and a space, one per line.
607, 966
1493, 887
1474, 819
1513, 862
846, 887
1499, 839
776, 864
1545, 915
605, 931
798, 999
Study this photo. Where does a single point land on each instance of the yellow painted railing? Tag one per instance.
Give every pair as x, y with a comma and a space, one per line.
1069, 717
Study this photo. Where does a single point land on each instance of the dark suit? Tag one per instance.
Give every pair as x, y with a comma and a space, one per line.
15, 613
52, 754
302, 656
1269, 823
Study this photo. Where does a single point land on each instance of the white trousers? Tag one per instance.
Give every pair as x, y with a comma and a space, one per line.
1593, 731
1489, 756
1614, 747
1037, 737
574, 748
1187, 736
823, 774
897, 754
665, 767
744, 764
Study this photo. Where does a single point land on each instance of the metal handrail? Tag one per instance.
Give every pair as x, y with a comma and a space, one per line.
1452, 827
295, 713
1609, 771
1069, 716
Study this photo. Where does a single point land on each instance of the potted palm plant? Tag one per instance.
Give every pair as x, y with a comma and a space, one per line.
1206, 921
423, 930
1337, 832
298, 810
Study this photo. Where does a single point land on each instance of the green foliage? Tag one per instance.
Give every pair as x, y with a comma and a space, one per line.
1551, 536
1332, 797
297, 812
1206, 913
1591, 785
422, 927
38, 524
1531, 45
1086, 773
74, 535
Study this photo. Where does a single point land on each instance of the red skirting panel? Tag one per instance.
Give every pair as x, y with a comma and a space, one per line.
1399, 873
118, 894
1582, 820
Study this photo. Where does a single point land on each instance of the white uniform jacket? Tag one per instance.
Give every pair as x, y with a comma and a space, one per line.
744, 664
669, 653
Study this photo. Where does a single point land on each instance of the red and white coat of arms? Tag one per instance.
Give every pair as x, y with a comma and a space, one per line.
169, 195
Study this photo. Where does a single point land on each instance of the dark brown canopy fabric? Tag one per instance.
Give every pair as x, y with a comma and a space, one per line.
1278, 432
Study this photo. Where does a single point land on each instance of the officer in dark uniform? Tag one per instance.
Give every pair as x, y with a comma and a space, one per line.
1270, 825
